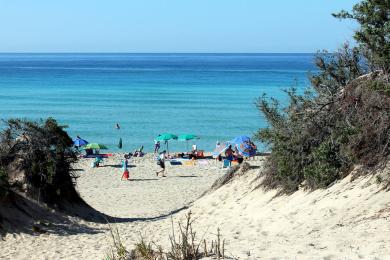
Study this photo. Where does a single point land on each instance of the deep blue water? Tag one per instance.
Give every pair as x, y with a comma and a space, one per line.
211, 95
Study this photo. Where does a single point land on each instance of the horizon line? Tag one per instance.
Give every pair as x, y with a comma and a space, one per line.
87, 52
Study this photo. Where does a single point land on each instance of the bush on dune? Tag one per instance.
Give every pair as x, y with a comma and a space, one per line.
344, 119
36, 158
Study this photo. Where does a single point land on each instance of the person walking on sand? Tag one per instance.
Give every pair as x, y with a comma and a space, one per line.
161, 162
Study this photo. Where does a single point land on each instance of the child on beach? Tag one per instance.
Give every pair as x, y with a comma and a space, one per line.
125, 174
161, 162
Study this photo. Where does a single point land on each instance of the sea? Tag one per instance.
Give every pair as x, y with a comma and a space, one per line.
210, 95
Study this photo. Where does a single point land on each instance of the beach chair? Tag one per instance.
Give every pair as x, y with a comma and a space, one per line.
226, 163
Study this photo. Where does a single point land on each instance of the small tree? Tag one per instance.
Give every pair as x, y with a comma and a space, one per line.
373, 35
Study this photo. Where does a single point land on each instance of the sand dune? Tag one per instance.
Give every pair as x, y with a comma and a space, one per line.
350, 220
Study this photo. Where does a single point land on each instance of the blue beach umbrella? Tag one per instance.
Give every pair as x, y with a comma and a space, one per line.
244, 146
240, 139
247, 149
80, 142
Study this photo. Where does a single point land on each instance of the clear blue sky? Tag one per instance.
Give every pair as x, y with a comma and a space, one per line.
172, 25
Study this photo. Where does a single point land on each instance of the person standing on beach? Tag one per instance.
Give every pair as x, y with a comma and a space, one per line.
126, 174
229, 153
161, 162
156, 146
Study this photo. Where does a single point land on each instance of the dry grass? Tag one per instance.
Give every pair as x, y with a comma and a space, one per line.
185, 245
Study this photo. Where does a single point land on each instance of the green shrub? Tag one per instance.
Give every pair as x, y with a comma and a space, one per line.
342, 119
44, 153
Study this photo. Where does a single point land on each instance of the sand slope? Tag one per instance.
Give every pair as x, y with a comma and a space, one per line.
350, 220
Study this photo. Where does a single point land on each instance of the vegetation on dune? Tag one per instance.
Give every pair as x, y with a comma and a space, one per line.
344, 119
184, 241
36, 159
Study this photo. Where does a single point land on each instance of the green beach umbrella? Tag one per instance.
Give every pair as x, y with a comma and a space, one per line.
94, 146
166, 137
187, 137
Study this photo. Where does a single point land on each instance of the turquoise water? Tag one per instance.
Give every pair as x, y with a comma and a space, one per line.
211, 95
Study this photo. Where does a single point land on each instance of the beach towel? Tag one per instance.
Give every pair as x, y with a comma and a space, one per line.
174, 162
189, 163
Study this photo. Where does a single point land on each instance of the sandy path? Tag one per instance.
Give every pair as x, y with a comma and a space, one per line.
146, 196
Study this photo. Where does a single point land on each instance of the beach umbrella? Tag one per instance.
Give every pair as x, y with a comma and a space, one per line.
247, 149
187, 137
219, 149
166, 137
95, 146
120, 143
244, 146
240, 139
80, 142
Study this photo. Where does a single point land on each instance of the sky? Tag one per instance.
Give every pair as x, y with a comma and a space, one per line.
245, 26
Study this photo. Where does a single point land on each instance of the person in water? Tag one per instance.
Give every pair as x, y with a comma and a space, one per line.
117, 126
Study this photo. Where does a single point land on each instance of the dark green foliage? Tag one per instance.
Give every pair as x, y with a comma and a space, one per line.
38, 156
318, 137
316, 143
306, 137
373, 35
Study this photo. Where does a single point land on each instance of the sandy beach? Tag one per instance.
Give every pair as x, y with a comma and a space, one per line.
350, 220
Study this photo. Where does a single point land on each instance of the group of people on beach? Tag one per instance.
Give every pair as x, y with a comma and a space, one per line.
228, 154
